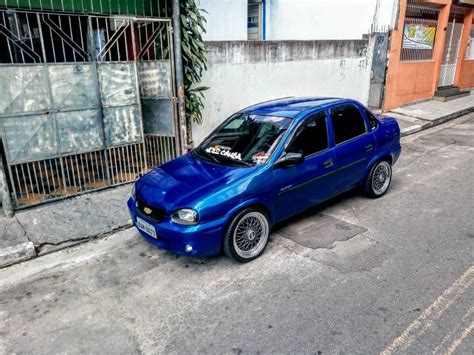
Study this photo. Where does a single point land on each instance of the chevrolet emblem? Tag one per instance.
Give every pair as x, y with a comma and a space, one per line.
147, 210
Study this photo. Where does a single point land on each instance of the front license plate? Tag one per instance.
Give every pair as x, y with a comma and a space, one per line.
146, 227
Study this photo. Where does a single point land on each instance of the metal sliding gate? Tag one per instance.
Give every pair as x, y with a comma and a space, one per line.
85, 101
450, 53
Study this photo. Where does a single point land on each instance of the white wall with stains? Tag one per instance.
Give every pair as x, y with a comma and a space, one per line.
326, 19
244, 73
226, 19
300, 19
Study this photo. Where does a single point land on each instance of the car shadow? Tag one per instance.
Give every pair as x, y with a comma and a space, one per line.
206, 262
317, 209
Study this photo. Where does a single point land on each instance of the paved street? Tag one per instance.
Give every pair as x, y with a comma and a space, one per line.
404, 284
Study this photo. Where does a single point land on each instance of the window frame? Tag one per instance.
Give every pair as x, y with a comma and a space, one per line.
369, 114
299, 128
283, 140
422, 14
470, 45
332, 126
259, 7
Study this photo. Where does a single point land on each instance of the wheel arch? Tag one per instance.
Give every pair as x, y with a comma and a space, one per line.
386, 156
255, 203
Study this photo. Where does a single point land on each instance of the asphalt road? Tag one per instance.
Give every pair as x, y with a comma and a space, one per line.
402, 285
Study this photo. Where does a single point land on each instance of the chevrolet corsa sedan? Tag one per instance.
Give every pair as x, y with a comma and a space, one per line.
262, 165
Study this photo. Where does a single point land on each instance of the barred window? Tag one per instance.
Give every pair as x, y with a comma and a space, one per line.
28, 37
419, 31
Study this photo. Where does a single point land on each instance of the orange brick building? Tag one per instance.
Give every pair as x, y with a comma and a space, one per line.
431, 51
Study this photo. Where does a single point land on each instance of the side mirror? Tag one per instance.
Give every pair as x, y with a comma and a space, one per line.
289, 159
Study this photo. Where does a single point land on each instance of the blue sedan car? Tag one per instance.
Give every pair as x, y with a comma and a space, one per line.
262, 165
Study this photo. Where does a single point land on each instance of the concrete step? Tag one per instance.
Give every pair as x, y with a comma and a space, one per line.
447, 91
451, 97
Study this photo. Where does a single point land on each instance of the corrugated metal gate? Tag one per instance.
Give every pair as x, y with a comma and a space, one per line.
86, 101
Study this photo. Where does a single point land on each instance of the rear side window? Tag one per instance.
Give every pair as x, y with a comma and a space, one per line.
312, 136
347, 123
372, 120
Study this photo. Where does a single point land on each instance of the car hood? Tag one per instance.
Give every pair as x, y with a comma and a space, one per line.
185, 181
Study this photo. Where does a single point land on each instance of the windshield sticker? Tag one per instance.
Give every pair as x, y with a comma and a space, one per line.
224, 151
260, 158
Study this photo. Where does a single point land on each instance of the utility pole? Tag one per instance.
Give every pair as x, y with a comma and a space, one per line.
178, 59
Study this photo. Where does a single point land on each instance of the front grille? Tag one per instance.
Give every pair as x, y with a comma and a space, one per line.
154, 213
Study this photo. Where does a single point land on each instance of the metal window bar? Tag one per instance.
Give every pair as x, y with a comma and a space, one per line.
38, 181
423, 15
139, 7
65, 38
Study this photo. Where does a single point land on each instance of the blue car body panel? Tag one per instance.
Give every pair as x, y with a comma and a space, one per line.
219, 192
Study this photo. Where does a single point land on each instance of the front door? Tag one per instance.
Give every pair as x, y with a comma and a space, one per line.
450, 53
303, 185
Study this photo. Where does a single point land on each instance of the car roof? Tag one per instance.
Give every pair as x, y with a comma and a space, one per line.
289, 107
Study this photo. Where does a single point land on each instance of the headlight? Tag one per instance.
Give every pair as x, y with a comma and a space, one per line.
133, 193
185, 216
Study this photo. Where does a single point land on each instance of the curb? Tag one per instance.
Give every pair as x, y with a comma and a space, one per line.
16, 254
436, 122
45, 249
411, 130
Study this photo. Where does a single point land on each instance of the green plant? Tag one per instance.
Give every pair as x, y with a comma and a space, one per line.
194, 58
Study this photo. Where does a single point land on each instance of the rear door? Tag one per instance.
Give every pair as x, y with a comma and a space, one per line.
354, 145
305, 184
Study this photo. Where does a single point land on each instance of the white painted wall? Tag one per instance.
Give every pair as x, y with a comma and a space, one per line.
226, 20
300, 19
325, 19
235, 86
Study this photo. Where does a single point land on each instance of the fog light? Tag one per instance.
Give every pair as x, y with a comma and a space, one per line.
130, 222
188, 248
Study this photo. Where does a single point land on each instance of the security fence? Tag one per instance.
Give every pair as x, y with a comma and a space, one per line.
419, 32
88, 101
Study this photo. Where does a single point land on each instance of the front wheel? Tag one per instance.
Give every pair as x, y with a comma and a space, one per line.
379, 179
247, 235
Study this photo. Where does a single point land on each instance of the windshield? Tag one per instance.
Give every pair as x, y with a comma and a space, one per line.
244, 139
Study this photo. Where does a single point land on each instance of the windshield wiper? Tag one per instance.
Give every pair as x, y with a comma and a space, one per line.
202, 152
240, 162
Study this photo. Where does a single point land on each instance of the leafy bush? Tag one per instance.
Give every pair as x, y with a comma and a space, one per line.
194, 57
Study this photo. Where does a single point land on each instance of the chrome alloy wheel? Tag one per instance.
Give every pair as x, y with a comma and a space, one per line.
251, 235
381, 177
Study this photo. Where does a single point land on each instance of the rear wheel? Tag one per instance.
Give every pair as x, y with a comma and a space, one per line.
379, 179
247, 235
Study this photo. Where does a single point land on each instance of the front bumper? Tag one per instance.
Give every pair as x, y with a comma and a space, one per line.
204, 238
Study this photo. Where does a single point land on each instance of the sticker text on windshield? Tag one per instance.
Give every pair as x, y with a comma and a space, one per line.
224, 152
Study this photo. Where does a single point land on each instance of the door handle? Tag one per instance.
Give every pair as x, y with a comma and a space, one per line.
328, 163
369, 147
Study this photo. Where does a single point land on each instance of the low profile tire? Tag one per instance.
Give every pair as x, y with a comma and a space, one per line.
247, 235
379, 179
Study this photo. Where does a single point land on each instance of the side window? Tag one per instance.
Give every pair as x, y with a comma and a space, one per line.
312, 137
254, 12
372, 120
347, 122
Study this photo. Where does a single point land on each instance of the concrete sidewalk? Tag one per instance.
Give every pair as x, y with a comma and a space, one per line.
55, 226
40, 230
416, 117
